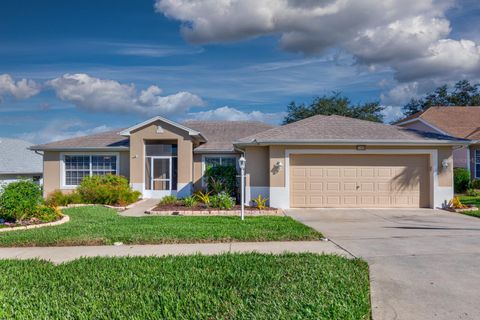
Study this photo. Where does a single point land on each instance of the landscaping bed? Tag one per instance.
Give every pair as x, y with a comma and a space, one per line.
200, 209
102, 226
229, 286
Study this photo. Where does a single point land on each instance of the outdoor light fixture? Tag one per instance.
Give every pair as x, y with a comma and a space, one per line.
279, 164
241, 163
444, 163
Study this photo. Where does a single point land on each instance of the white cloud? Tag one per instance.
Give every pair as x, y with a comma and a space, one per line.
60, 130
20, 89
408, 36
105, 95
392, 113
227, 113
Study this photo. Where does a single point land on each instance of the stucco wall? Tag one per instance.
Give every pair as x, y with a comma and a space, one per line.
52, 174
197, 172
170, 133
257, 166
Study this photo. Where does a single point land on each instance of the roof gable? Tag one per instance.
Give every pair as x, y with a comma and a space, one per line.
128, 131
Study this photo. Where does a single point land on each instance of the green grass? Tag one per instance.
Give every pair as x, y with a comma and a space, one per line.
102, 226
470, 200
230, 286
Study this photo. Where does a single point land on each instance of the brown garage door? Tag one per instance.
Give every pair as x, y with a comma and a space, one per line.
348, 181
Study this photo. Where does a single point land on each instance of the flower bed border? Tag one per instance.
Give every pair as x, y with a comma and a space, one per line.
40, 225
119, 209
215, 212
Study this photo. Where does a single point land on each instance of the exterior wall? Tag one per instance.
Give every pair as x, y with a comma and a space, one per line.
257, 172
169, 134
441, 178
461, 158
197, 172
52, 174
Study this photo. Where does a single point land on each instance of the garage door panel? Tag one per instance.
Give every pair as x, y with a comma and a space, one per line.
359, 181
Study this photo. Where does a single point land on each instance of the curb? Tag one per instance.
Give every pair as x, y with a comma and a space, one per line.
253, 213
34, 226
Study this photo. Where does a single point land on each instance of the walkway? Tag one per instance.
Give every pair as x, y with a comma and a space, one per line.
63, 254
139, 208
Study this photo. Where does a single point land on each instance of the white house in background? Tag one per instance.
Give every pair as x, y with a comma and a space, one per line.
18, 162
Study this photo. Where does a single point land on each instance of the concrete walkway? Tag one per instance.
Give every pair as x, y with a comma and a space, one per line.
138, 209
63, 254
423, 263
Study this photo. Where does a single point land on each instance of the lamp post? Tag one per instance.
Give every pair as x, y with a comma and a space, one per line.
241, 163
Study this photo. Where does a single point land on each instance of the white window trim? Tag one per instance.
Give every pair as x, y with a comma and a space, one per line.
476, 176
62, 164
217, 155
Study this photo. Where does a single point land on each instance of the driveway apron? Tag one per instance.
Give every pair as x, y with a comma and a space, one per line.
424, 264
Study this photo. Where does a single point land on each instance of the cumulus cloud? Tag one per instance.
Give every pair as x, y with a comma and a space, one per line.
20, 89
408, 36
231, 114
105, 95
62, 129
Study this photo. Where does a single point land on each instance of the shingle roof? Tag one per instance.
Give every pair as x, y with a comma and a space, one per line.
109, 139
460, 122
330, 129
221, 134
16, 158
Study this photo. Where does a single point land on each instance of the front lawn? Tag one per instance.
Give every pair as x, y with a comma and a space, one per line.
230, 286
102, 226
475, 201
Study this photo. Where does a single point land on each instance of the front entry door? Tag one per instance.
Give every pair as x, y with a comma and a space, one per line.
159, 174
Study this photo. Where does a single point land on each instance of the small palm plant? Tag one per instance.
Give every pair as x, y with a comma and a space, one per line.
203, 197
261, 202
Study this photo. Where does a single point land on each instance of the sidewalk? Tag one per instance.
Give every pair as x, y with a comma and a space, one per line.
138, 209
63, 254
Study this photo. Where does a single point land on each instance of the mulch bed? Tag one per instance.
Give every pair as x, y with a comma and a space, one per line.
179, 207
24, 223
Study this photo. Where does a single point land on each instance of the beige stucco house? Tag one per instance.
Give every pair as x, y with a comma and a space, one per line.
322, 161
459, 122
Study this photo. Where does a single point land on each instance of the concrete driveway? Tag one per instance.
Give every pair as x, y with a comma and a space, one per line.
424, 264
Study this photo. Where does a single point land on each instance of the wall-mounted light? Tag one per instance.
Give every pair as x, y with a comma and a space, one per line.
445, 163
279, 164
134, 156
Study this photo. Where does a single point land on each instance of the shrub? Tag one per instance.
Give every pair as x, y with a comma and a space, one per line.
261, 202
203, 197
472, 193
461, 179
222, 201
19, 200
476, 184
189, 201
168, 200
58, 198
107, 189
47, 214
221, 179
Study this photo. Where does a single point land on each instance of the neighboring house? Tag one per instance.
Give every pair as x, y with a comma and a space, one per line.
18, 162
322, 161
460, 122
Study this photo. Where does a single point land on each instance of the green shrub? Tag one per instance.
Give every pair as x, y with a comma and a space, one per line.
169, 200
222, 201
46, 213
19, 200
189, 201
58, 198
472, 193
461, 179
476, 184
221, 179
203, 197
107, 189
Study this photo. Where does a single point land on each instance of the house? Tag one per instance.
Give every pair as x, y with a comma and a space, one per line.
459, 122
18, 162
322, 161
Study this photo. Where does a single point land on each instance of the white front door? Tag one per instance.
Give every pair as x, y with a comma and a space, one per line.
158, 177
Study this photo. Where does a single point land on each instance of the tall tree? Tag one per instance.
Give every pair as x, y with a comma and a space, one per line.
463, 93
334, 104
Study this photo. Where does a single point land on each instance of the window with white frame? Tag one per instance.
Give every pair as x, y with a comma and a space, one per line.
213, 161
76, 167
477, 164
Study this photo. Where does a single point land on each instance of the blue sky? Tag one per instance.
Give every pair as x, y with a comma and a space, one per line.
91, 66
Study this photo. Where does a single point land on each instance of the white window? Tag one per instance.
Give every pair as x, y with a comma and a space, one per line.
220, 161
477, 164
76, 167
